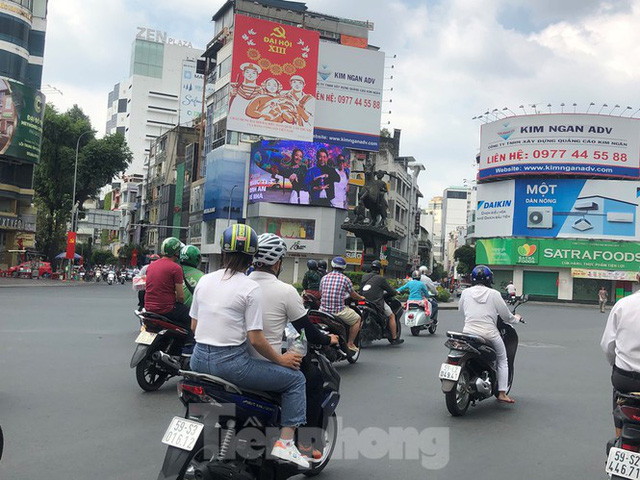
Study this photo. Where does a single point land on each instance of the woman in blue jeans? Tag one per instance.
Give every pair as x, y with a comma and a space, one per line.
226, 316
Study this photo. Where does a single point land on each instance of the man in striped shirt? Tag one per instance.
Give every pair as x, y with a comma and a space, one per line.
335, 287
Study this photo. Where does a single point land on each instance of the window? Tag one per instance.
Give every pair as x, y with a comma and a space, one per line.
147, 59
34, 75
13, 66
36, 43
122, 105
120, 130
16, 32
458, 195
224, 67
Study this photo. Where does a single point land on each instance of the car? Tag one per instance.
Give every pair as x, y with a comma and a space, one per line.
25, 268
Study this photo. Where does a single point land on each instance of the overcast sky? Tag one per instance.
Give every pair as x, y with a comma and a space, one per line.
455, 60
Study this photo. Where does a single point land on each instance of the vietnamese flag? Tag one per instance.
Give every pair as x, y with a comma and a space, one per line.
134, 257
71, 245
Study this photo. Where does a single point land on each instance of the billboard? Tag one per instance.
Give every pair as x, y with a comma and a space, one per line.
273, 79
559, 208
21, 116
299, 173
224, 184
585, 254
191, 92
349, 99
565, 144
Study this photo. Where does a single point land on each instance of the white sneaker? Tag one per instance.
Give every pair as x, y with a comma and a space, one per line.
289, 454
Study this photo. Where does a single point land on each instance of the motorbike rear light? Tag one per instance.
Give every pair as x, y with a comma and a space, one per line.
411, 315
196, 390
631, 413
361, 302
631, 448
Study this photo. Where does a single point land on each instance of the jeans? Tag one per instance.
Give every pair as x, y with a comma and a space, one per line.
236, 365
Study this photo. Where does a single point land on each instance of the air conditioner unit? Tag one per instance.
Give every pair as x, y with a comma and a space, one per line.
620, 217
585, 205
540, 217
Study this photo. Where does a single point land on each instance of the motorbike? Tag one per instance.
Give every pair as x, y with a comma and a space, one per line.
375, 324
213, 442
159, 334
623, 453
469, 375
98, 275
122, 278
310, 302
111, 277
330, 324
418, 316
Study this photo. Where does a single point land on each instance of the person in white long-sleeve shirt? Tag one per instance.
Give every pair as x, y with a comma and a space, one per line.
621, 345
481, 305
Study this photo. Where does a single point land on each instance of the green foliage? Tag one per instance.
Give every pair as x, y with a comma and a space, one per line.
443, 295
466, 257
99, 160
385, 133
102, 257
438, 272
397, 282
355, 277
298, 287
107, 201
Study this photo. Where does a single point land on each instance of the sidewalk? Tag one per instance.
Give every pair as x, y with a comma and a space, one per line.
9, 282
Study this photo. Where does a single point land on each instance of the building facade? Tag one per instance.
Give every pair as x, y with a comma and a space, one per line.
23, 26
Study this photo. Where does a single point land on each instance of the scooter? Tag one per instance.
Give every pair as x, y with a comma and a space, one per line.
420, 316
623, 453
159, 334
122, 278
98, 275
375, 324
111, 277
227, 430
469, 375
330, 324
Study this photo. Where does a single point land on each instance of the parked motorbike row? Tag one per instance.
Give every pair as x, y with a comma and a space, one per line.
110, 276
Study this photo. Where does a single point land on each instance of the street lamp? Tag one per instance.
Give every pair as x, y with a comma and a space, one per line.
230, 198
75, 178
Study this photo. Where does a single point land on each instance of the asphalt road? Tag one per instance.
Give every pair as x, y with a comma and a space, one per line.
70, 406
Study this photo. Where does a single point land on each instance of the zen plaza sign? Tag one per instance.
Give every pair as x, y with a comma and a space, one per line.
159, 36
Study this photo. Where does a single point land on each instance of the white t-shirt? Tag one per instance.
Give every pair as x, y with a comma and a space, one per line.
621, 338
280, 304
226, 307
511, 289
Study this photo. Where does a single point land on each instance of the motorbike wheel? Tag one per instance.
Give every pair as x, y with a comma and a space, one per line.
432, 328
458, 399
148, 376
398, 330
330, 438
357, 343
415, 331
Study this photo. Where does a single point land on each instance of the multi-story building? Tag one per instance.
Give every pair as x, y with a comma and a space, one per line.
434, 211
455, 204
23, 26
164, 89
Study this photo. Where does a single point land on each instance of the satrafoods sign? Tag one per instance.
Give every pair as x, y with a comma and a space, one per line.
559, 253
571, 144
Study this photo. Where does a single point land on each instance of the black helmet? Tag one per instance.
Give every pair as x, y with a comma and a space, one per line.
481, 274
376, 266
322, 264
312, 264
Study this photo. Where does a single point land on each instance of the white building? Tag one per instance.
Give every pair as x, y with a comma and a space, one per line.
455, 204
162, 91
434, 209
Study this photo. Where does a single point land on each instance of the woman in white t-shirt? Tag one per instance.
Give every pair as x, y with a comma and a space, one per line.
226, 312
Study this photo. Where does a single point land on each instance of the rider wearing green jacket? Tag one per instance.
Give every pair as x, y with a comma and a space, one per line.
189, 260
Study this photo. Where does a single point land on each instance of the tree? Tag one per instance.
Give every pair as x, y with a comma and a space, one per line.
102, 257
126, 253
438, 272
385, 133
99, 160
466, 257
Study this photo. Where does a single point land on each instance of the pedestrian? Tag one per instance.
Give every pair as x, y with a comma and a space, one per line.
603, 296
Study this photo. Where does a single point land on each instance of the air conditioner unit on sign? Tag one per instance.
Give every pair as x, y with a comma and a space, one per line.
540, 217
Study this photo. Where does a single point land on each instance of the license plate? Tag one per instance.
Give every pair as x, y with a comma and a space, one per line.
146, 338
450, 372
182, 433
623, 463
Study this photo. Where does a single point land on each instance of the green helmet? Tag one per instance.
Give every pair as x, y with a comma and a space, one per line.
190, 255
170, 247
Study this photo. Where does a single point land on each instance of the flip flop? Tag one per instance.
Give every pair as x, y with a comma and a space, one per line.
353, 350
511, 400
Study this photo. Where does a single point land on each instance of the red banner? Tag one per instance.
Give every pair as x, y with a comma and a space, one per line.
134, 258
71, 245
273, 79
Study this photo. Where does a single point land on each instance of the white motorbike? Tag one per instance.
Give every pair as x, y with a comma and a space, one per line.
418, 316
111, 278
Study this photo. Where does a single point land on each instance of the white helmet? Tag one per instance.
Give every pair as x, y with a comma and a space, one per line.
271, 248
423, 270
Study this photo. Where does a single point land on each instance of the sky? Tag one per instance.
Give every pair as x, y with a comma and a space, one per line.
454, 60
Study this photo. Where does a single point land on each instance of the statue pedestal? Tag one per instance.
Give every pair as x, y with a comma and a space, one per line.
373, 239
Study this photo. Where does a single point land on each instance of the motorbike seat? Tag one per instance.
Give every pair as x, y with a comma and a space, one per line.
157, 316
231, 387
468, 337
